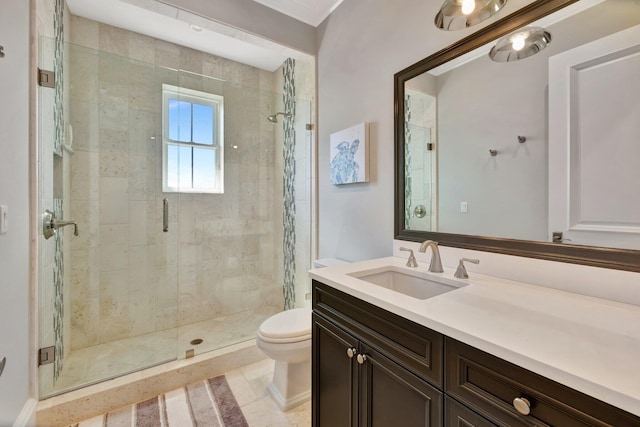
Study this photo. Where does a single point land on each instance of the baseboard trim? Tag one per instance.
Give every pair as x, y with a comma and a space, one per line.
27, 417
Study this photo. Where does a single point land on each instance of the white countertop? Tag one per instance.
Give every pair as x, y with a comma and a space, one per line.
589, 344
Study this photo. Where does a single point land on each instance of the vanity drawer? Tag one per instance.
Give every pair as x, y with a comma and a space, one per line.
415, 347
458, 415
489, 386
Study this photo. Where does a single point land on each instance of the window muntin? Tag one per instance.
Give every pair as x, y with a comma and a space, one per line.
192, 140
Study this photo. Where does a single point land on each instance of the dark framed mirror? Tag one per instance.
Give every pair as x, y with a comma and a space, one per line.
497, 187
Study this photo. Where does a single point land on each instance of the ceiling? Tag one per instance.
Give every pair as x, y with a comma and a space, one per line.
165, 22
312, 12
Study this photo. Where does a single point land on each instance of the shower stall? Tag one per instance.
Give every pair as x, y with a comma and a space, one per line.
170, 162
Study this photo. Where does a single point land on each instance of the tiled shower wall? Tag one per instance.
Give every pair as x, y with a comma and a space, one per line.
221, 253
421, 127
54, 190
304, 82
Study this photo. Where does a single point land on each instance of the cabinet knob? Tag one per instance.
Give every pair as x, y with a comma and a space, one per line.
361, 358
351, 351
522, 405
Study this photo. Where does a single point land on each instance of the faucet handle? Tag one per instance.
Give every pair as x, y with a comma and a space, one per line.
461, 272
411, 262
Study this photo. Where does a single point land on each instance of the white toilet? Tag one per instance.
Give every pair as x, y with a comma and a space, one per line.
286, 338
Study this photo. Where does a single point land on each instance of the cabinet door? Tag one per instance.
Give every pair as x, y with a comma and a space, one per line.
334, 376
458, 415
392, 396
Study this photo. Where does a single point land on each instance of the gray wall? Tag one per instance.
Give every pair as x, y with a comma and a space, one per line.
360, 47
14, 192
506, 194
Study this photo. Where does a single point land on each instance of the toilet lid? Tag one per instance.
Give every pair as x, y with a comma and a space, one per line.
290, 325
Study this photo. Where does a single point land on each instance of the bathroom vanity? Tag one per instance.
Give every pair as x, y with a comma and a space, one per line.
489, 352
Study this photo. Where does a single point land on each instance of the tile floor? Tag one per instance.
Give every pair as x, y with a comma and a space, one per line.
93, 364
249, 386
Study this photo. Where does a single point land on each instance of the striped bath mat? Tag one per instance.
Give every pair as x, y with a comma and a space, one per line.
208, 403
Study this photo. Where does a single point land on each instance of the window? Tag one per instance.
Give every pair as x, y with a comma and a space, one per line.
192, 141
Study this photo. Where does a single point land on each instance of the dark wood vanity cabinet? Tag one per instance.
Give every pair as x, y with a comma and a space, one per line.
374, 368
490, 385
458, 415
356, 381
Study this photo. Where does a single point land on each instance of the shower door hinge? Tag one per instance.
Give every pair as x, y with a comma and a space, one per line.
429, 146
46, 355
46, 78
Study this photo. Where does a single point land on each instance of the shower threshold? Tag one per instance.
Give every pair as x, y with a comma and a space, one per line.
87, 402
93, 365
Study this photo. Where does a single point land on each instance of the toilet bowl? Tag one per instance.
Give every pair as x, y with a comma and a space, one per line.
286, 338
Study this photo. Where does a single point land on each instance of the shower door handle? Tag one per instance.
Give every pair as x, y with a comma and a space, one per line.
50, 224
165, 215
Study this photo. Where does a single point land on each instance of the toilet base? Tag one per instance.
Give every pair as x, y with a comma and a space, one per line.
291, 384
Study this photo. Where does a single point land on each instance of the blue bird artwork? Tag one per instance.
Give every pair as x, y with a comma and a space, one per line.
344, 168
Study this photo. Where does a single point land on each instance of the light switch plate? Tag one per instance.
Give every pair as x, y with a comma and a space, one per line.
464, 207
4, 219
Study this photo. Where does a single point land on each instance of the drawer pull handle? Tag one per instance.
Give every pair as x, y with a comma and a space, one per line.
362, 358
522, 405
351, 351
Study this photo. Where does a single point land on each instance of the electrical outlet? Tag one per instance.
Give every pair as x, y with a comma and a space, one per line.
4, 219
464, 207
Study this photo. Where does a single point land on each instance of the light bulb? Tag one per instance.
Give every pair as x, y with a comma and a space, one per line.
517, 42
468, 6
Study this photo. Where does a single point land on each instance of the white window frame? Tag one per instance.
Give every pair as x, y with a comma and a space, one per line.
197, 97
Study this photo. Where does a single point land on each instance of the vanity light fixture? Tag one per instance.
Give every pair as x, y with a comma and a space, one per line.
521, 44
461, 14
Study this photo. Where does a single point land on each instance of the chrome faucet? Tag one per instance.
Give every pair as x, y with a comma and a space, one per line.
436, 263
411, 262
50, 224
461, 272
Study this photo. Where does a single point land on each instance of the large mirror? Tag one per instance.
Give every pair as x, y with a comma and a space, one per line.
535, 157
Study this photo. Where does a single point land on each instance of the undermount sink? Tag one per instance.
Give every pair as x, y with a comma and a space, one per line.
416, 284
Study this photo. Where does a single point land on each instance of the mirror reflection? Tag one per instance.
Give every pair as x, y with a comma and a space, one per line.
534, 148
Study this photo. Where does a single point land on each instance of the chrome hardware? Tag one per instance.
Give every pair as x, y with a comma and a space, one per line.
436, 263
522, 139
522, 405
420, 211
461, 272
411, 262
556, 237
351, 351
46, 78
165, 215
50, 224
361, 358
46, 355
493, 152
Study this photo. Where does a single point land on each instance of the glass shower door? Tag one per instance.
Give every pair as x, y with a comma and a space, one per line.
108, 296
420, 161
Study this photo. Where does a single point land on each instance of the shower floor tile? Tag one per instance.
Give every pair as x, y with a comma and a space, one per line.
249, 386
94, 364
